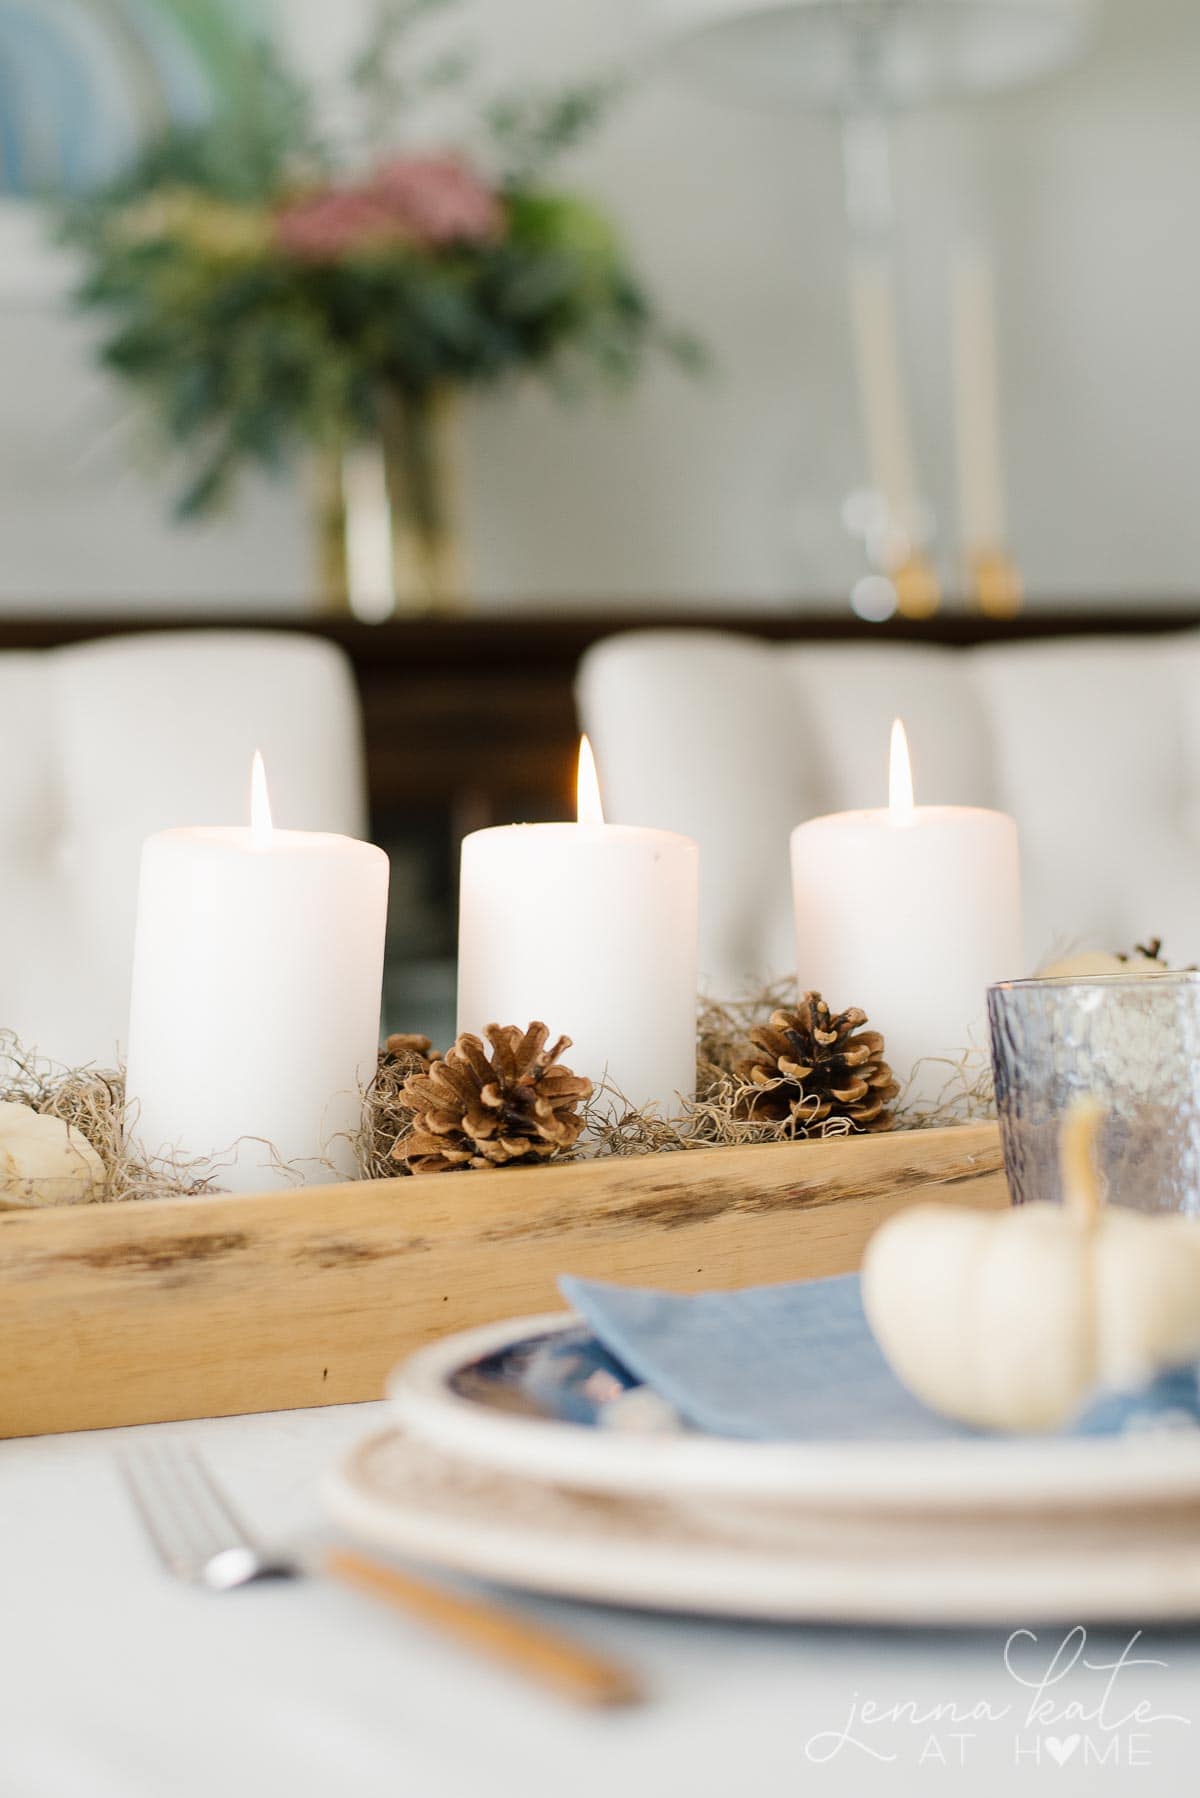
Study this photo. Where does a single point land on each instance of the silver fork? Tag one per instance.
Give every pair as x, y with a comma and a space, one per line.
191, 1523
200, 1538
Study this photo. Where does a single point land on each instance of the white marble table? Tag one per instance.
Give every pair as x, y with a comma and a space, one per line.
117, 1683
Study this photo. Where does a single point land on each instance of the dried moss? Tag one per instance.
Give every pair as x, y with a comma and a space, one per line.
92, 1101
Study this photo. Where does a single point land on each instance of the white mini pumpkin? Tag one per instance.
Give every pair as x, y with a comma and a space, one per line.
43, 1162
1093, 964
1009, 1320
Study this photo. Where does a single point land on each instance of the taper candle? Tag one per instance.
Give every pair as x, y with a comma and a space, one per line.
881, 388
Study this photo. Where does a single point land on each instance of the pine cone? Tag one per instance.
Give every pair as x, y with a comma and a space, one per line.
471, 1110
386, 1115
813, 1067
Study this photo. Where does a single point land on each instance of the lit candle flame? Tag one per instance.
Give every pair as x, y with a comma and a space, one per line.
261, 828
588, 806
900, 781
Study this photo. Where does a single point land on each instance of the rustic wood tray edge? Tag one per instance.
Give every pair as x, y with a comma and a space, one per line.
116, 1314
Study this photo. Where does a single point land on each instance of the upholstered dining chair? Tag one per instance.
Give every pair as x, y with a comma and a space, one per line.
105, 742
1092, 743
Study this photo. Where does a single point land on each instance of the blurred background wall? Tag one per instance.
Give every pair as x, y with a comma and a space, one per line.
728, 488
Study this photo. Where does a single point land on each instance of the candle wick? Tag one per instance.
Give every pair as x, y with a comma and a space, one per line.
261, 827
900, 781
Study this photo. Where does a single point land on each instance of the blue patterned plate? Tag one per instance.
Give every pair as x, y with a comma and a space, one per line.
540, 1398
561, 1376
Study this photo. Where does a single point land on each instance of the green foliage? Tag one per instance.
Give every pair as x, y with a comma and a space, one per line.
389, 80
249, 347
262, 126
530, 131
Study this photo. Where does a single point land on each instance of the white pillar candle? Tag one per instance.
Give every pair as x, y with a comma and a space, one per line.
254, 1025
910, 912
590, 928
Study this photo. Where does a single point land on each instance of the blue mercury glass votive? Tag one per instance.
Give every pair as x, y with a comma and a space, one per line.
1132, 1043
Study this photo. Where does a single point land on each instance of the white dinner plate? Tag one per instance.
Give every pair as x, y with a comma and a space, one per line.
437, 1396
404, 1497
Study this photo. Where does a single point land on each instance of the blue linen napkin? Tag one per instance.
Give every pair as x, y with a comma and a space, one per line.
798, 1363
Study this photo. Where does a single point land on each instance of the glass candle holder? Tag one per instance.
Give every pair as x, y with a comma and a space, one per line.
1130, 1042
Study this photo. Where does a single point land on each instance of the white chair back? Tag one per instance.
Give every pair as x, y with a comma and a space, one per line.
1093, 744
105, 742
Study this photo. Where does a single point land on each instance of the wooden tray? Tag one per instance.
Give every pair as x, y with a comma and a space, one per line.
137, 1313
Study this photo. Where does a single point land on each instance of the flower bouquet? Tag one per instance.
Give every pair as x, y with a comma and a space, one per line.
272, 292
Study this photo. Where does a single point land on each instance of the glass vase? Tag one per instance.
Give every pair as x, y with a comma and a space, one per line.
387, 515
1130, 1042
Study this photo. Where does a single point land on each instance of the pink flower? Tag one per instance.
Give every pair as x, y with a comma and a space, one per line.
430, 202
439, 200
329, 224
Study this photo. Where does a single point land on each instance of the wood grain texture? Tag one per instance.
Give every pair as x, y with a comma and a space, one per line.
113, 1314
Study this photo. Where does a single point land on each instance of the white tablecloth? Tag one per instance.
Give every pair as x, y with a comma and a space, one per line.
116, 1682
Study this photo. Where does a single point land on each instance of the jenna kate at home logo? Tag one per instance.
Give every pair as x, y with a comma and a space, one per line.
1062, 1701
